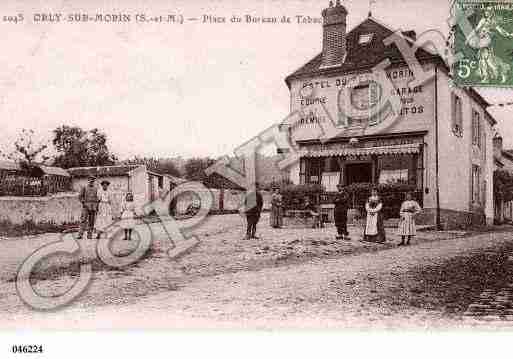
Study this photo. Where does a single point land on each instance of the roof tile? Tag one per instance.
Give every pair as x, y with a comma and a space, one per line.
361, 56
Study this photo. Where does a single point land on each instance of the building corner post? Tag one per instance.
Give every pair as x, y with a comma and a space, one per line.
437, 163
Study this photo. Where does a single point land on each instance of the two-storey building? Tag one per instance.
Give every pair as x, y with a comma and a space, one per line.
431, 135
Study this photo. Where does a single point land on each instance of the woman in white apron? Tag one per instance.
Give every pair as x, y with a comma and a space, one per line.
374, 226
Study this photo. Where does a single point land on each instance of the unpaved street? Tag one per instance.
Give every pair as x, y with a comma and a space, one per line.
293, 277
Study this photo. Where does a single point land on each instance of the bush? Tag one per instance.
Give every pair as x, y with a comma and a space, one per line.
294, 195
269, 186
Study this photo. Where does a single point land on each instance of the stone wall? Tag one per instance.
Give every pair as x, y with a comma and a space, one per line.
62, 208
451, 219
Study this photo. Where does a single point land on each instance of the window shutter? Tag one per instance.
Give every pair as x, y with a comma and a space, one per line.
483, 140
460, 115
473, 117
453, 111
481, 132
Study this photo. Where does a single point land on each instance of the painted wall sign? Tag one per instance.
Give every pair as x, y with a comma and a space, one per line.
361, 104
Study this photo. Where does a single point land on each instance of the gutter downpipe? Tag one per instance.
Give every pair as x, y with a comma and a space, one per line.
438, 220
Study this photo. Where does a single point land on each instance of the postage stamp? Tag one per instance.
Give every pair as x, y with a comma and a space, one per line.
486, 46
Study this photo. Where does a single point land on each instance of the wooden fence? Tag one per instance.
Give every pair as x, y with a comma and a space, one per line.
20, 186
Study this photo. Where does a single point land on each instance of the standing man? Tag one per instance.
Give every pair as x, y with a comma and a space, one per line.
341, 207
253, 208
89, 199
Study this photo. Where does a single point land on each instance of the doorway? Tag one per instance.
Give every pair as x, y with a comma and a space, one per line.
358, 173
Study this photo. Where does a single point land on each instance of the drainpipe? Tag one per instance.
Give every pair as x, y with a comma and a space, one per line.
437, 179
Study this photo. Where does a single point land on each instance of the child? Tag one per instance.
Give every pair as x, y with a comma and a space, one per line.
374, 227
127, 216
407, 228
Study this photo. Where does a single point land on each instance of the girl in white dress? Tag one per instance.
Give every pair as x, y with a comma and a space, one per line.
104, 215
128, 216
374, 227
407, 227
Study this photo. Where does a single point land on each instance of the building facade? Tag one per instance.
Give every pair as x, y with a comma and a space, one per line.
358, 125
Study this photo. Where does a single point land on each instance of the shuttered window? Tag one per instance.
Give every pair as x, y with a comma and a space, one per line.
476, 128
457, 115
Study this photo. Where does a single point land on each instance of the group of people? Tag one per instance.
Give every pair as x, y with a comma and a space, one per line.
97, 213
374, 230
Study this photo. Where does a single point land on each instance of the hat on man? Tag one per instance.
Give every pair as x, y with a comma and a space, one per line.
105, 182
340, 185
91, 178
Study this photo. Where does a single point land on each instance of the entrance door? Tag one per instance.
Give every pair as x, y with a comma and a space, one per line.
151, 188
358, 173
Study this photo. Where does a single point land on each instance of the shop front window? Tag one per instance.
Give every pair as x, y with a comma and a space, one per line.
399, 170
330, 180
393, 176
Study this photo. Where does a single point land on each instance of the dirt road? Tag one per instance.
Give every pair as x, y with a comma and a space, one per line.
428, 285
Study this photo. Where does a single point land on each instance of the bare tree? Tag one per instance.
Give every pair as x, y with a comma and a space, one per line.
27, 151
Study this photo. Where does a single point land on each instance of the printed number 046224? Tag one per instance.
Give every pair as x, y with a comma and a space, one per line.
25, 349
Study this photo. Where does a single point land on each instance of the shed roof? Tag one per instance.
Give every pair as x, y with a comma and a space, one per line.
103, 171
54, 171
9, 166
217, 181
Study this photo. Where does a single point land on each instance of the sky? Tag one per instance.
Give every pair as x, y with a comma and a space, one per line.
165, 90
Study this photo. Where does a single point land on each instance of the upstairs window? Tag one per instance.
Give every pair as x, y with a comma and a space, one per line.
365, 39
476, 128
457, 116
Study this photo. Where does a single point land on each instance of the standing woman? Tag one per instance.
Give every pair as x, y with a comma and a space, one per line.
374, 227
407, 227
104, 216
276, 209
128, 216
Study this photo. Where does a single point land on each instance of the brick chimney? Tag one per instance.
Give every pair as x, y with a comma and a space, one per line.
333, 35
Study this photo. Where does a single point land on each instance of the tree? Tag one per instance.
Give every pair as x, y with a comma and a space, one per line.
27, 152
195, 168
79, 148
161, 165
503, 185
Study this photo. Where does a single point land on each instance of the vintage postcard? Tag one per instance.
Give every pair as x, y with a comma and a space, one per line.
485, 44
256, 165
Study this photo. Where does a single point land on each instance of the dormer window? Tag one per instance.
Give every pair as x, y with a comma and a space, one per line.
365, 39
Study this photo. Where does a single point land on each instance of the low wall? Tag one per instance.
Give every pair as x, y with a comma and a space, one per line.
451, 219
61, 208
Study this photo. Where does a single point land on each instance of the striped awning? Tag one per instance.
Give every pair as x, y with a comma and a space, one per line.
364, 151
